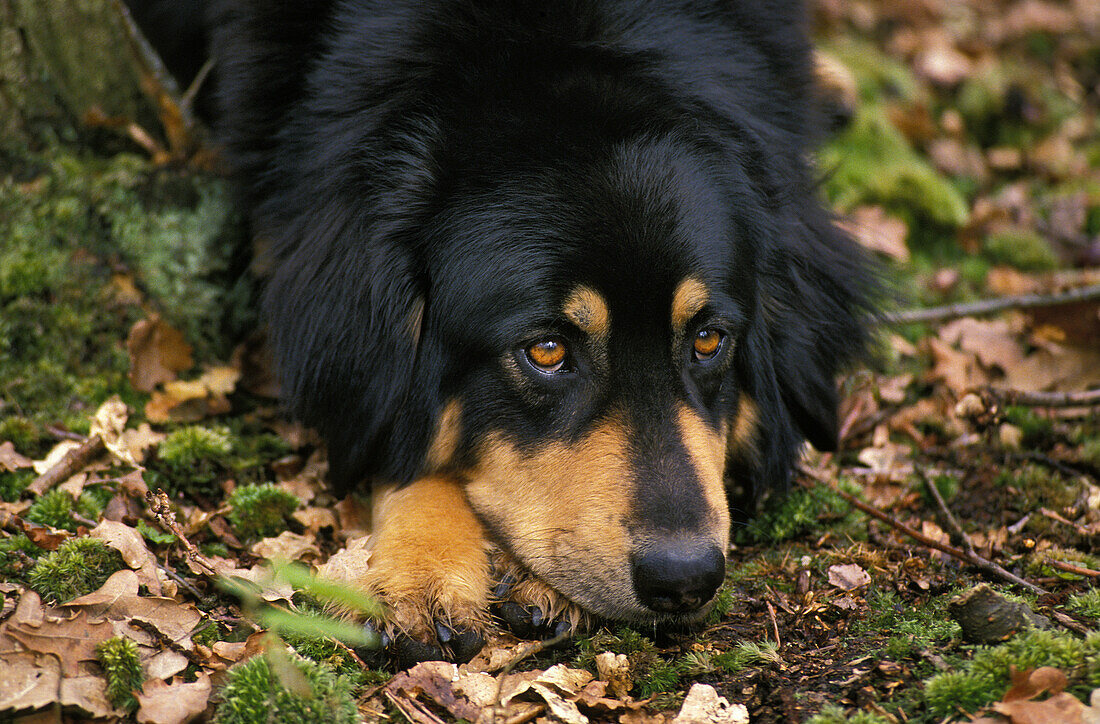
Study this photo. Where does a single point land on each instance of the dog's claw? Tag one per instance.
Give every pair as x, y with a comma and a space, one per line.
409, 652
443, 632
526, 622
504, 586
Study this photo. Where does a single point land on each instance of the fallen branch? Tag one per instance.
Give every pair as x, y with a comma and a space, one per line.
161, 510
1070, 568
992, 306
969, 557
1023, 398
74, 461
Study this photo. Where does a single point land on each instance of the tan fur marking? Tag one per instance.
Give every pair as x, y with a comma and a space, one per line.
587, 309
745, 425
429, 557
707, 450
561, 508
448, 433
690, 296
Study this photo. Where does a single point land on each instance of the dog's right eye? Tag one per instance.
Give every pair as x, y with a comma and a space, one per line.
548, 355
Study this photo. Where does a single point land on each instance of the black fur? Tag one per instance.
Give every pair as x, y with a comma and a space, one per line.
429, 178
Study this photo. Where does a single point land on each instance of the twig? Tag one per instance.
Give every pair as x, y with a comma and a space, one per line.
775, 625
1069, 623
74, 461
180, 580
1070, 568
1023, 398
161, 510
992, 306
972, 558
959, 535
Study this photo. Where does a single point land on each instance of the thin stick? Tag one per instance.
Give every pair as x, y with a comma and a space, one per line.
161, 510
992, 306
1070, 568
972, 558
949, 517
1023, 398
74, 461
775, 625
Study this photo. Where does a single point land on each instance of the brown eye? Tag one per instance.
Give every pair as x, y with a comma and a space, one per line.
547, 355
707, 344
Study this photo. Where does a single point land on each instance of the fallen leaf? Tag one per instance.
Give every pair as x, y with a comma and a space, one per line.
135, 553
175, 703
703, 706
193, 400
876, 230
10, 460
615, 670
71, 640
287, 546
158, 353
848, 577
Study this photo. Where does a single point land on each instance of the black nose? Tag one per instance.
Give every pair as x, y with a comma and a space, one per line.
677, 576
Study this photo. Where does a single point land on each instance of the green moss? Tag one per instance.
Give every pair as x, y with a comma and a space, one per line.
254, 694
24, 434
193, 456
259, 511
1021, 248
985, 678
792, 515
14, 483
156, 536
723, 602
910, 628
872, 162
1086, 604
56, 507
78, 567
66, 232
119, 658
17, 556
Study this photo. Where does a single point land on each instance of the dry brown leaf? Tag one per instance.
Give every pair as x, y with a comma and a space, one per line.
615, 670
558, 686
703, 706
941, 63
117, 599
288, 547
71, 640
193, 400
848, 577
958, 370
1056, 367
10, 460
314, 519
433, 679
175, 703
135, 553
158, 353
994, 342
1058, 709
1029, 683
876, 230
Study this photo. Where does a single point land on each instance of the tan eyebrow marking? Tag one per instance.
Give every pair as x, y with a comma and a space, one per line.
690, 297
587, 309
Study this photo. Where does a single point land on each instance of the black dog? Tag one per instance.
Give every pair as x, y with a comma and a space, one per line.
550, 276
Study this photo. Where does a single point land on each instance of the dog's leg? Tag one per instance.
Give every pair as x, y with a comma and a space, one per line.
429, 565
529, 607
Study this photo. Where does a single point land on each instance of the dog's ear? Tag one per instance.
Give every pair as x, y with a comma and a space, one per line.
345, 314
815, 297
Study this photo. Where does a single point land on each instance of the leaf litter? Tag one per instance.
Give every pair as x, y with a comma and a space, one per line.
825, 612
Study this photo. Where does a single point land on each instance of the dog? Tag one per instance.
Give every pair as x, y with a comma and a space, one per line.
551, 279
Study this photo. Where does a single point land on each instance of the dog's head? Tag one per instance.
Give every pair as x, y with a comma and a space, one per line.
596, 287
593, 348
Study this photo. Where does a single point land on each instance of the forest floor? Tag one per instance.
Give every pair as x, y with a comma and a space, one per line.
944, 565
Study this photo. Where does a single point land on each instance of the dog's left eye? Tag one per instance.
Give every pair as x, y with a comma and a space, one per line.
548, 355
707, 345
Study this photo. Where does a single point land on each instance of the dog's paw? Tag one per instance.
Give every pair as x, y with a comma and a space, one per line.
430, 570
530, 608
